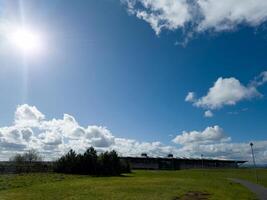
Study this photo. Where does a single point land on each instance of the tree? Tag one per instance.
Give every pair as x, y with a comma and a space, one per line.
30, 156
107, 163
18, 158
67, 163
27, 162
90, 161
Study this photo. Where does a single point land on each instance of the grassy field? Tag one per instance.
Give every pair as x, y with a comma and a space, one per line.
147, 185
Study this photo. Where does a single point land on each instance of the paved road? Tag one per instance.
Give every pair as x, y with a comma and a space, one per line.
259, 190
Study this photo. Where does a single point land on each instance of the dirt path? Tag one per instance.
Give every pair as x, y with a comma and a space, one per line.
259, 190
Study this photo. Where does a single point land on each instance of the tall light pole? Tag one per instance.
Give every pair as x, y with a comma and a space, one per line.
202, 161
254, 163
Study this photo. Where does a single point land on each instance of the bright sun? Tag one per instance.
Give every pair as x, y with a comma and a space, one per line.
25, 40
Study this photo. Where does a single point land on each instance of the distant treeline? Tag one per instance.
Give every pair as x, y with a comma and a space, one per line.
27, 162
88, 163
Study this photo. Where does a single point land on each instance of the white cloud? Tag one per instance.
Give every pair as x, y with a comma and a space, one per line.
227, 14
28, 114
101, 136
259, 80
209, 135
214, 143
190, 97
161, 14
128, 147
51, 138
27, 134
208, 113
54, 137
198, 15
239, 151
227, 91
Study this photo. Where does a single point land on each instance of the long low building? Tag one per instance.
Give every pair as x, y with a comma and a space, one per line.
170, 163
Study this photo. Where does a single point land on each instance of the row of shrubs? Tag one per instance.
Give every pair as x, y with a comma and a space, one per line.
107, 163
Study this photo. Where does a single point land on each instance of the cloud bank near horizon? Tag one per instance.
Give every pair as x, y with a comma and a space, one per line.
52, 138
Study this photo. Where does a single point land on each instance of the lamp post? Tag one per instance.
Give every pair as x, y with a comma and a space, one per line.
254, 163
202, 161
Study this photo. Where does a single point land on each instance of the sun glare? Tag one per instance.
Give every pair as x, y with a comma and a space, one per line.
25, 40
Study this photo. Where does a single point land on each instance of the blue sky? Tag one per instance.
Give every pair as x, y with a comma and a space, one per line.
109, 66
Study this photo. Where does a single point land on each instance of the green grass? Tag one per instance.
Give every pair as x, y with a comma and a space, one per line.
147, 185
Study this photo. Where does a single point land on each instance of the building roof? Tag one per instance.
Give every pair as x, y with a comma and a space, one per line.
185, 159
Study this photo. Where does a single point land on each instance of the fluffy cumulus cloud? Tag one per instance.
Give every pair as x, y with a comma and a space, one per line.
198, 15
209, 135
227, 91
50, 137
54, 137
28, 115
171, 14
227, 14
